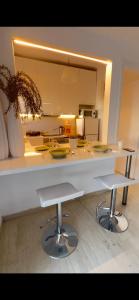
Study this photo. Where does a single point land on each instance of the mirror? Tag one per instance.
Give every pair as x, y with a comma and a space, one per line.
65, 84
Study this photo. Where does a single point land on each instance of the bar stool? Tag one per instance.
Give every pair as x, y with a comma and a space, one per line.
108, 217
60, 239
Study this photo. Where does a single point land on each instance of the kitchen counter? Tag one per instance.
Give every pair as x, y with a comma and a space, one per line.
33, 161
37, 170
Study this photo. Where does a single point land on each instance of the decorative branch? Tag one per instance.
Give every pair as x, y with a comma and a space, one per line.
20, 85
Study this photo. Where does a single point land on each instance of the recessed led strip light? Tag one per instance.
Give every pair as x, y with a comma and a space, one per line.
28, 44
67, 116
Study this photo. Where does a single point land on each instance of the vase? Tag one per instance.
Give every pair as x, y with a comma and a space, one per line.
14, 130
4, 147
15, 135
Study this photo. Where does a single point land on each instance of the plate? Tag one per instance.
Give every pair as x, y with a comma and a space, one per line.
41, 148
101, 148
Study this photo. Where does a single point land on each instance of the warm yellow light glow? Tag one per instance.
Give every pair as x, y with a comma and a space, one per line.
26, 154
29, 116
28, 44
67, 117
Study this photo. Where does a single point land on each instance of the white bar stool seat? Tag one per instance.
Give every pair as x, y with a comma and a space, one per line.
57, 194
60, 239
109, 218
114, 181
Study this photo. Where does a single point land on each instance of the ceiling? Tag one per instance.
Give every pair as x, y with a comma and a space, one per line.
124, 41
44, 55
119, 34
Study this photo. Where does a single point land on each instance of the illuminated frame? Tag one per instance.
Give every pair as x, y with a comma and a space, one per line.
34, 45
28, 44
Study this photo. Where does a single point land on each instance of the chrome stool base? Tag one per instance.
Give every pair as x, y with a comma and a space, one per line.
109, 218
102, 210
117, 223
60, 245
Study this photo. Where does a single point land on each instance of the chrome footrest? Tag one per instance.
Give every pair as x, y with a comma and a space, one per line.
116, 223
53, 219
101, 210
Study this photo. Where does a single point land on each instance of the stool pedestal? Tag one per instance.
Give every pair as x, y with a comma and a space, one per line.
60, 240
111, 219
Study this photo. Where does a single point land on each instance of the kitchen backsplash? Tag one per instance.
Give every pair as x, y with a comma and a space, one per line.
49, 124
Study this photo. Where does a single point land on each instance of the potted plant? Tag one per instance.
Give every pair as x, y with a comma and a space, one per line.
20, 85
16, 87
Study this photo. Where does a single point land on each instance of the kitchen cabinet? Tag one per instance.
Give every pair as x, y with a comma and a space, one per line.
62, 88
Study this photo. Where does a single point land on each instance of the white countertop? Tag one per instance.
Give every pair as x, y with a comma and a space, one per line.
43, 160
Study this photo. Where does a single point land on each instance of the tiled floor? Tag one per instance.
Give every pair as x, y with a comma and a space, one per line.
98, 251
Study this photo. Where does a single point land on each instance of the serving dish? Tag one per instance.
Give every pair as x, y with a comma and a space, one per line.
58, 153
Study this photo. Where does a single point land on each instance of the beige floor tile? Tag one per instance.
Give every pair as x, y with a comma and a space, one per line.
98, 251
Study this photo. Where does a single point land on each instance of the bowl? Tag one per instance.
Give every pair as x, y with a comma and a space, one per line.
67, 149
58, 153
81, 143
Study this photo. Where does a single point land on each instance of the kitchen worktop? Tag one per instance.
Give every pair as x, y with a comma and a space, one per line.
38, 169
33, 161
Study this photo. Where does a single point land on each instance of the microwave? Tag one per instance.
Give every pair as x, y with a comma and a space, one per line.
88, 113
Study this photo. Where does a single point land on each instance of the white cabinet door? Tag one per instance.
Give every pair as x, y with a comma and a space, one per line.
91, 125
62, 88
92, 137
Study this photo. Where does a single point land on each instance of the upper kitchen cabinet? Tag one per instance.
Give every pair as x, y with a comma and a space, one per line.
62, 87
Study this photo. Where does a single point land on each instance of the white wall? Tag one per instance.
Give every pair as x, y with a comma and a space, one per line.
49, 124
128, 130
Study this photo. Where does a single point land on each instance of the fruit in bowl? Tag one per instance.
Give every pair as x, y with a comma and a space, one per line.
58, 153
